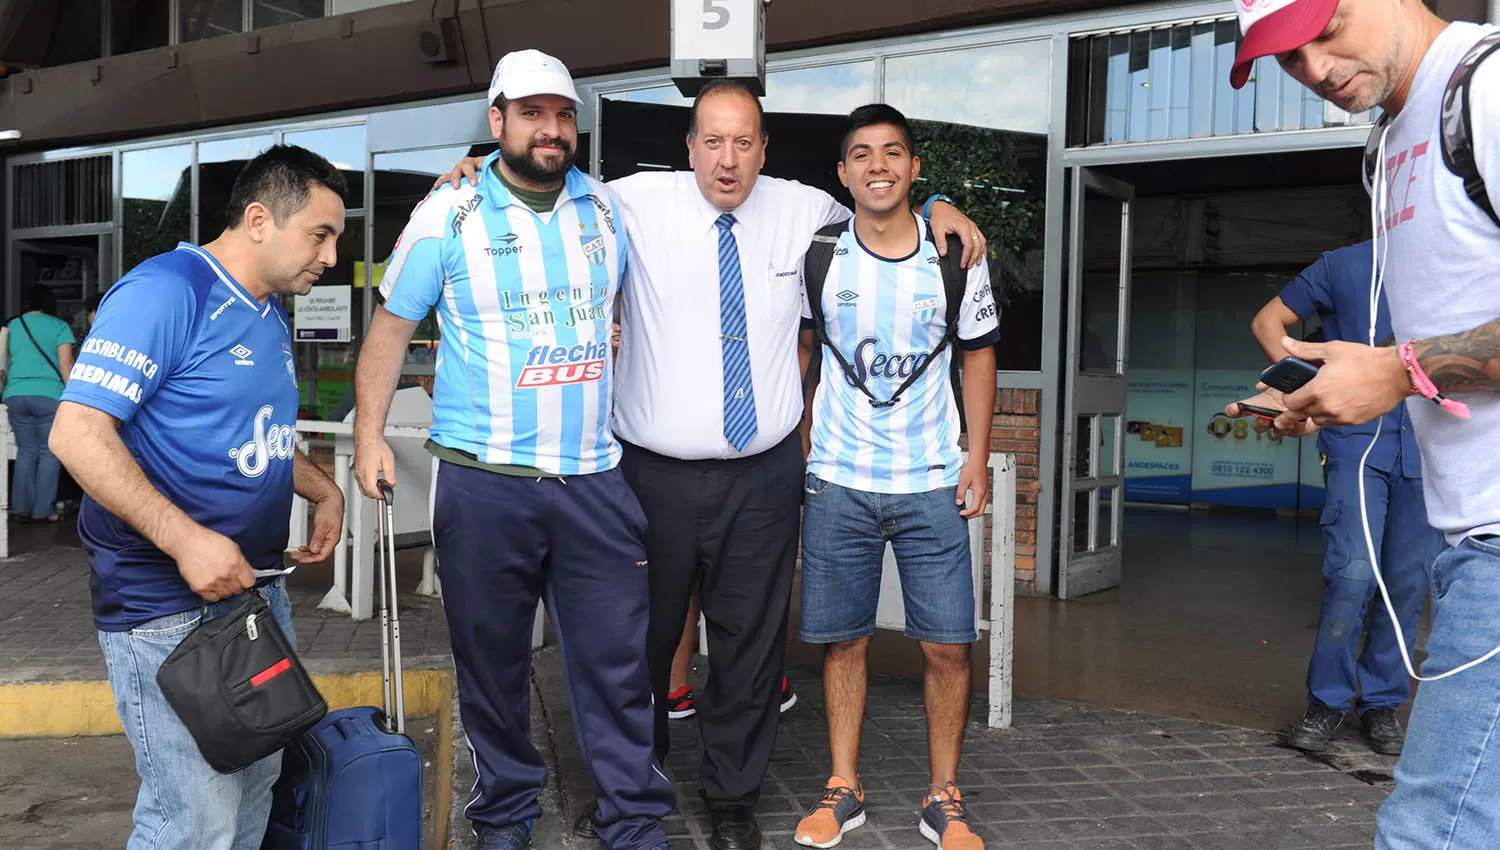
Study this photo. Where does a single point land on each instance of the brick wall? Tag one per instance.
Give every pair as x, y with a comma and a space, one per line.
1016, 430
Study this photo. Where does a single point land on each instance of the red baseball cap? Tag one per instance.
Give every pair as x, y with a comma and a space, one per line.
1271, 27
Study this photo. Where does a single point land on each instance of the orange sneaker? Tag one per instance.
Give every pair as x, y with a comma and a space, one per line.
946, 823
841, 809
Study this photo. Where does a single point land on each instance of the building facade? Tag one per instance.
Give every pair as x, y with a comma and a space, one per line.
1139, 209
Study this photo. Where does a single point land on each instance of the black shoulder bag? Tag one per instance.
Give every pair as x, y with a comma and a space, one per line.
236, 684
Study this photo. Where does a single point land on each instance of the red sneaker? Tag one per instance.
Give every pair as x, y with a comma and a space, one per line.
788, 696
680, 703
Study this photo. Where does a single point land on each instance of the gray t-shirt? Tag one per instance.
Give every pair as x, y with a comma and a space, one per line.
1442, 275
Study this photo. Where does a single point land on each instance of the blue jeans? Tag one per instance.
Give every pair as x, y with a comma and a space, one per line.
844, 533
183, 803
1406, 544
1447, 794
35, 489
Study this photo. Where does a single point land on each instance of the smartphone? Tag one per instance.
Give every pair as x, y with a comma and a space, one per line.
1263, 412
1289, 375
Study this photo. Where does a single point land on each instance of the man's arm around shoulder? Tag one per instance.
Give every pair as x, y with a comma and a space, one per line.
87, 442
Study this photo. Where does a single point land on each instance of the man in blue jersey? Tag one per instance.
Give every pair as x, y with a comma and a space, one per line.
892, 472
523, 268
178, 422
1337, 289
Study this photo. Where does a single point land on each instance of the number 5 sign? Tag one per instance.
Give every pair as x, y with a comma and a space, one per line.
718, 38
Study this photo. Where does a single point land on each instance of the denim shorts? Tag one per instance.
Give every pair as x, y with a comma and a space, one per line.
844, 533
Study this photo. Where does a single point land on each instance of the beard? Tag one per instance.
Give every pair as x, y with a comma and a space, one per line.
526, 166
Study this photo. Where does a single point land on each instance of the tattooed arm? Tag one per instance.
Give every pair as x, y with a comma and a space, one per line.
1463, 362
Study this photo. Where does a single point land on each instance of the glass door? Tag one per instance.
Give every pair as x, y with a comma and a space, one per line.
1094, 418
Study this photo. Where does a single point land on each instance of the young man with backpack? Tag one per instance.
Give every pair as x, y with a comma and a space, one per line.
884, 463
1433, 167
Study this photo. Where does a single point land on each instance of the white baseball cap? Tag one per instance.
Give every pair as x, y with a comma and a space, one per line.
1271, 27
525, 73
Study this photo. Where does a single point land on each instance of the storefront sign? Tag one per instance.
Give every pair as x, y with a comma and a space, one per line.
1233, 464
323, 314
1159, 435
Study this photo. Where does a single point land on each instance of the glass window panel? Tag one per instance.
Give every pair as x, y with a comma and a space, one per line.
826, 90
1159, 84
1098, 349
1106, 533
1083, 441
202, 19
1173, 82
1225, 102
156, 208
82, 38
345, 148
138, 25
1312, 108
1083, 522
1291, 104
325, 370
219, 163
980, 116
1267, 95
1002, 87
274, 13
1181, 69
1140, 86
1204, 103
1109, 430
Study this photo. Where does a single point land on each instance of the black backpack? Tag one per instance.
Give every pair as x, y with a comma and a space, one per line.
1457, 128
815, 273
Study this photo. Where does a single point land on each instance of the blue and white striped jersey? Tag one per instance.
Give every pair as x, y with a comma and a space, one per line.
525, 306
886, 316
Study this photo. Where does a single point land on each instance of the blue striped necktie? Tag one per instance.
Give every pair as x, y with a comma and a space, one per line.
739, 390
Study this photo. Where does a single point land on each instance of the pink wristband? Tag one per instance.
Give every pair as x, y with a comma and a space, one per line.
1424, 385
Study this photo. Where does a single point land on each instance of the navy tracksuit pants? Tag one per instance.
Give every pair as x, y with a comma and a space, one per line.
503, 541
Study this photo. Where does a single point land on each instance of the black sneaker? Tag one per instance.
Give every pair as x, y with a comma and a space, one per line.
1315, 729
1383, 731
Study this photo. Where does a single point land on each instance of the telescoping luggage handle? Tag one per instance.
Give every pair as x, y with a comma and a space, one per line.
390, 617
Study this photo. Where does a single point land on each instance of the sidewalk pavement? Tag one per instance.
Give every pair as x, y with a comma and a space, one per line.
1066, 777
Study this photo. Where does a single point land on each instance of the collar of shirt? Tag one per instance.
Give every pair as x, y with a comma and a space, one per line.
575, 185
708, 214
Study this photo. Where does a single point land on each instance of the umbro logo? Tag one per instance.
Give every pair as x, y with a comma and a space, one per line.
509, 238
242, 356
847, 297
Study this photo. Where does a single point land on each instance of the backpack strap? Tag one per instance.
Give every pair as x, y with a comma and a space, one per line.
1458, 127
815, 272
955, 283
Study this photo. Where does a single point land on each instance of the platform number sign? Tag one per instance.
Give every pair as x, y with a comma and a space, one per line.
715, 14
718, 38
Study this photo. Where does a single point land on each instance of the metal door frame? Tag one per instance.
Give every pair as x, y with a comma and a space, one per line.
1093, 394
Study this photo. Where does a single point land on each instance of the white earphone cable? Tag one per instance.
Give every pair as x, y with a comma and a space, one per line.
1378, 254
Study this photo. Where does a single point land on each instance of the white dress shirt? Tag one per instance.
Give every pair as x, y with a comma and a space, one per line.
669, 379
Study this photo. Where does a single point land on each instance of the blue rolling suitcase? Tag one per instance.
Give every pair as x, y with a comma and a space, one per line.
355, 780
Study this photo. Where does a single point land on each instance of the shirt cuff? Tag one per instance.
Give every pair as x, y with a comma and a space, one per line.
985, 341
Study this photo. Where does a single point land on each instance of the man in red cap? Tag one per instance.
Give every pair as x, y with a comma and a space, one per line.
1433, 169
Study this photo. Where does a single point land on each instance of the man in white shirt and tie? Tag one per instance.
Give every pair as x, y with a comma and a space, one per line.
709, 397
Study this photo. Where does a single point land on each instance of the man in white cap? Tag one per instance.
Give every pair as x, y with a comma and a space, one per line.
1434, 173
523, 269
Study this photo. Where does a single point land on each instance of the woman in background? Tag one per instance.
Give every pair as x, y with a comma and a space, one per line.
40, 352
